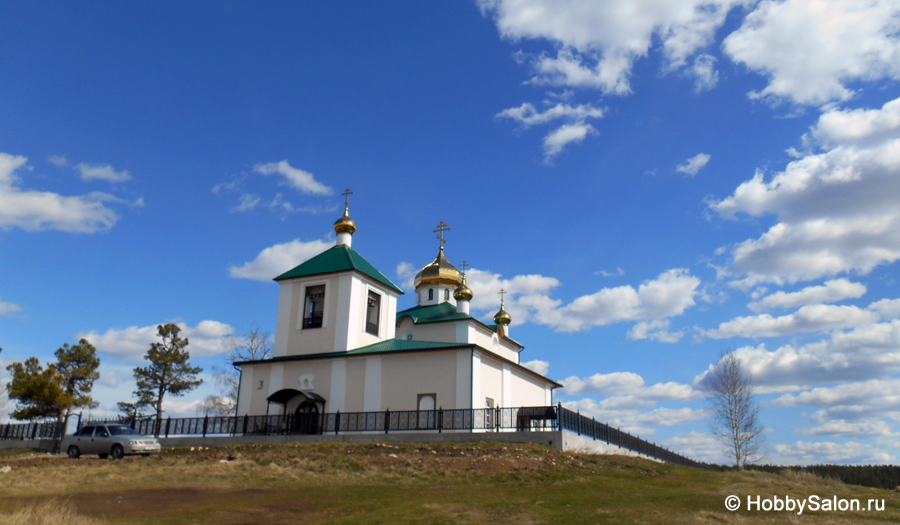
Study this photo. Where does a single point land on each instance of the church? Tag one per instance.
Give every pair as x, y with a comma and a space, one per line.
342, 346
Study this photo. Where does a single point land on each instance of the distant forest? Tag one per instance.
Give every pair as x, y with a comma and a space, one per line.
877, 476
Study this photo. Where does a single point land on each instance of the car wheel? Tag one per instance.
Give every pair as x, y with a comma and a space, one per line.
145, 455
103, 456
73, 452
117, 452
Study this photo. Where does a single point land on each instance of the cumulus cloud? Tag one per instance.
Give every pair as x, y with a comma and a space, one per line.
39, 211
804, 452
247, 203
598, 43
657, 330
627, 413
835, 209
853, 402
90, 172
7, 308
704, 72
277, 259
541, 367
131, 344
58, 160
810, 49
830, 292
574, 131
812, 318
844, 429
694, 164
700, 446
529, 300
294, 177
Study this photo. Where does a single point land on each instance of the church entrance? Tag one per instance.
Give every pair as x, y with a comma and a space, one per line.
306, 418
301, 411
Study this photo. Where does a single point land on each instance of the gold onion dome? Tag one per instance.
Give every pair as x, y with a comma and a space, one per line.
345, 224
438, 272
462, 292
502, 318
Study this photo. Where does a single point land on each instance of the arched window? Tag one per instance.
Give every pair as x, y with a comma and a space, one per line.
447, 294
431, 294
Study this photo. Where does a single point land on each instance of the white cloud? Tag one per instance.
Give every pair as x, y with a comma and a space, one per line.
618, 273
574, 131
38, 211
527, 115
836, 210
105, 172
699, 446
863, 353
694, 164
528, 300
541, 367
810, 49
58, 160
248, 202
850, 401
8, 308
566, 134
656, 330
277, 259
131, 344
294, 177
827, 452
407, 274
829, 292
630, 417
841, 428
812, 318
704, 72
597, 43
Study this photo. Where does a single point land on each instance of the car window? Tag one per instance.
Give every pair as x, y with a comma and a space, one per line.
121, 430
101, 432
85, 431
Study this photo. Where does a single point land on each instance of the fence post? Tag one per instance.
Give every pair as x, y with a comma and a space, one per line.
337, 422
440, 419
34, 430
387, 420
246, 417
168, 422
205, 423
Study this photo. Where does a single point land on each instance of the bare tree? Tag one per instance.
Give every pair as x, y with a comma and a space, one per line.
735, 413
253, 345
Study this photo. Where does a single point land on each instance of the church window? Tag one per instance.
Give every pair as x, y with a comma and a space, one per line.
314, 306
427, 401
409, 337
260, 384
431, 294
373, 309
427, 418
447, 294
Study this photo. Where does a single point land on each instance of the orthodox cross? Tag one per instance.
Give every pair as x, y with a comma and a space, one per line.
464, 265
501, 293
347, 195
442, 227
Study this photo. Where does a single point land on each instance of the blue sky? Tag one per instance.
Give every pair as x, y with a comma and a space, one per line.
653, 181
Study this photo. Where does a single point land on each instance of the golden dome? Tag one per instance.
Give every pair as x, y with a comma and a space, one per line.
502, 318
462, 292
438, 272
345, 224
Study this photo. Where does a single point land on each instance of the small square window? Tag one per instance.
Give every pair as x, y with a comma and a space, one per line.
260, 384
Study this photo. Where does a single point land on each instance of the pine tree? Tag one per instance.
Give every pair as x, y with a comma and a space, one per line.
169, 371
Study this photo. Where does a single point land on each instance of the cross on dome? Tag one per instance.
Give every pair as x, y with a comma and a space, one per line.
442, 227
347, 195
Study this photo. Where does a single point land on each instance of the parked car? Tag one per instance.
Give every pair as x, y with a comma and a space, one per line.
108, 440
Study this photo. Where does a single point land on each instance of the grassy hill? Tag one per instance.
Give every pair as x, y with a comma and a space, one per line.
401, 483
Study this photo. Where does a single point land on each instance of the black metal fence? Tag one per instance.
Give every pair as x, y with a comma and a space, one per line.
521, 419
48, 434
585, 426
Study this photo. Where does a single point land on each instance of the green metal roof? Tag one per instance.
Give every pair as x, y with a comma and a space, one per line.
402, 345
340, 258
432, 314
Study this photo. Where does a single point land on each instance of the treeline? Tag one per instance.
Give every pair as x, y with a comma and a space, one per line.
876, 476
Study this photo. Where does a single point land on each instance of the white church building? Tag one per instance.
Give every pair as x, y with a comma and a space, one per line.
342, 346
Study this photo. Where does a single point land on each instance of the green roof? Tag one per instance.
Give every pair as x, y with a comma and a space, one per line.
340, 258
432, 314
402, 345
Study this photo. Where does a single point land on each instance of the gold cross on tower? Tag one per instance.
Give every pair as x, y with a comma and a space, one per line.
502, 292
442, 227
347, 195
464, 265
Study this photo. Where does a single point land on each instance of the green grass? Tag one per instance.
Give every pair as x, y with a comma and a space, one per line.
404, 483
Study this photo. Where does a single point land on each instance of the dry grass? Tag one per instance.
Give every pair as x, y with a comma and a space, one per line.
46, 513
406, 483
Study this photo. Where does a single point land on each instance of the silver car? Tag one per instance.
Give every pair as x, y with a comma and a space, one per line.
108, 440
